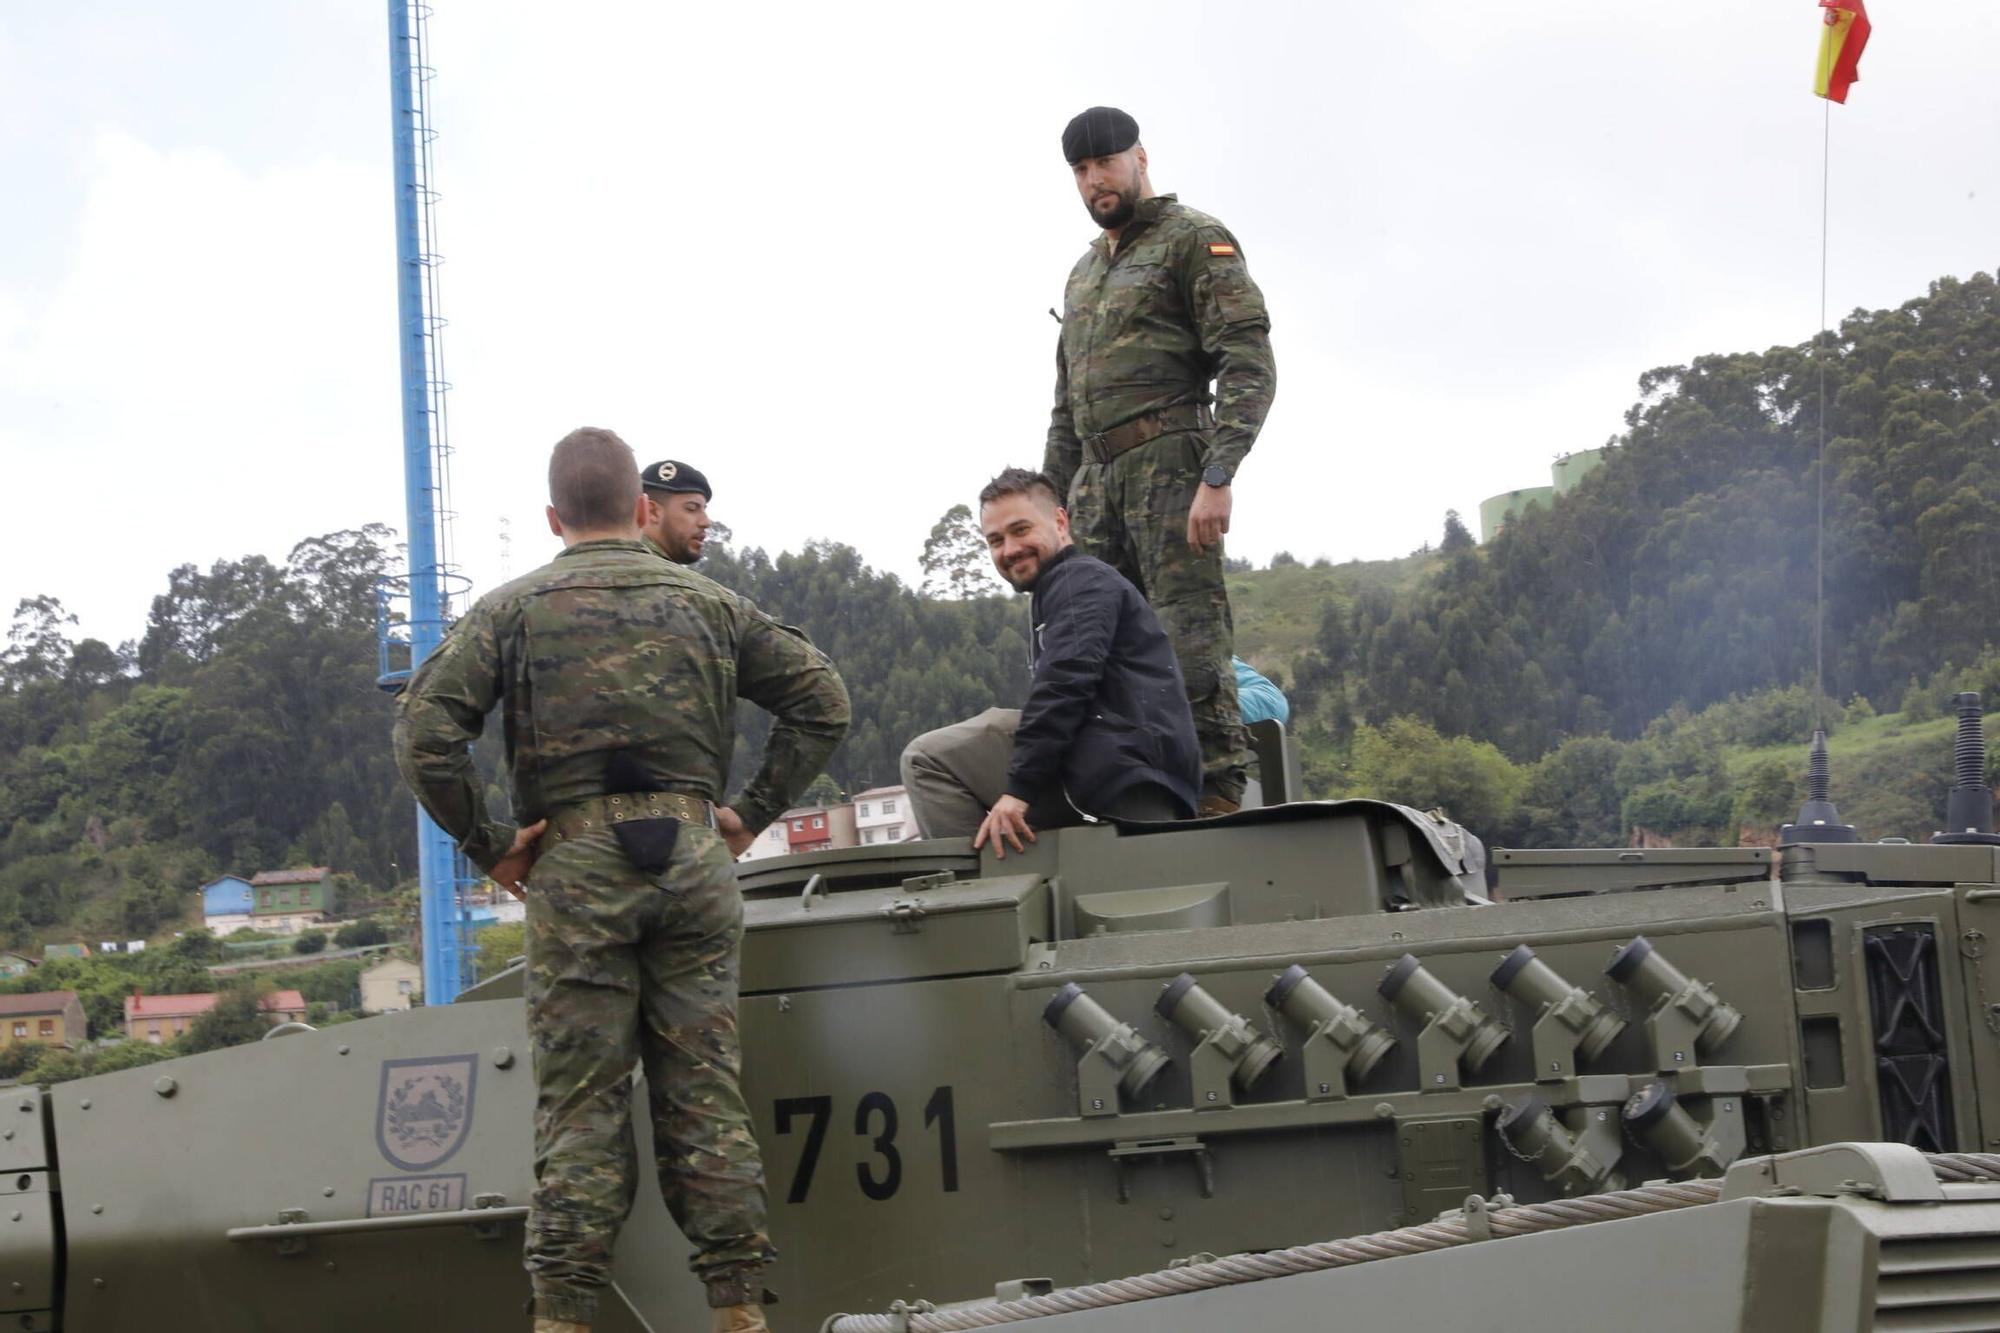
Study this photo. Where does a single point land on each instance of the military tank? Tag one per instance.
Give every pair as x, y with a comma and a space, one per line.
1311, 1063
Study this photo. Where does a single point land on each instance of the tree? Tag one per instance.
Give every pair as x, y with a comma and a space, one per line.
54, 1065
38, 646
1572, 796
360, 934
1408, 762
189, 621
500, 945
955, 563
1766, 796
237, 1018
1456, 537
311, 941
1672, 573
334, 577
334, 983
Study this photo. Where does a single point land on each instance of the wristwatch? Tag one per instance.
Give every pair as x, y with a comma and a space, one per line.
1215, 475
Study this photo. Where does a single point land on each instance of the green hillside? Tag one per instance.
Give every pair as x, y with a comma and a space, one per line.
1278, 611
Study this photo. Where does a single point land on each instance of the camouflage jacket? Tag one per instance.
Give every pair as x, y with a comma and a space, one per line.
609, 647
1151, 326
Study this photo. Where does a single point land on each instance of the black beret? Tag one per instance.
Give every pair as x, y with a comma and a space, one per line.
668, 475
1099, 132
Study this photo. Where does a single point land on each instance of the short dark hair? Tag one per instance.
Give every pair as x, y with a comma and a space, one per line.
593, 480
1020, 481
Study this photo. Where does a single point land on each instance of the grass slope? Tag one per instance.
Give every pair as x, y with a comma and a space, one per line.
1887, 771
1277, 611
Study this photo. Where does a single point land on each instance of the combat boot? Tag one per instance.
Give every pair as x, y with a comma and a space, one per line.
741, 1319
560, 1326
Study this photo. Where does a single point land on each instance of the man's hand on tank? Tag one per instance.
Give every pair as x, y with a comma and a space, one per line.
1208, 516
512, 869
734, 836
1006, 822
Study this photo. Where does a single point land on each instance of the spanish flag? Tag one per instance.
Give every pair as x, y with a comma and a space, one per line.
1840, 44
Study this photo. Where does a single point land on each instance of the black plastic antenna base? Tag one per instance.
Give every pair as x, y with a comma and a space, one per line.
1831, 831
1947, 839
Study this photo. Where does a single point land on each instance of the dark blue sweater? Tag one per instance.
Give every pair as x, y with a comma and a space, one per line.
1106, 708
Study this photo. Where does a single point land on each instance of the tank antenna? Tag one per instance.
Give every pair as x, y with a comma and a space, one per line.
1968, 810
1818, 821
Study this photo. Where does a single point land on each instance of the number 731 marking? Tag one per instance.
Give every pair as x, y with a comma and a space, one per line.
880, 1174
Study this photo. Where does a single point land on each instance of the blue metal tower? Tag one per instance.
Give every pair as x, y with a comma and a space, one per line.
430, 581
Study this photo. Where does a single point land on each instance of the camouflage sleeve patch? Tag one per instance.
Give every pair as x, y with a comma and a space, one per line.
1217, 275
1234, 326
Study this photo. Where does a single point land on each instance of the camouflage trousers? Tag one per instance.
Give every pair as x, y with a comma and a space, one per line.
624, 969
1132, 514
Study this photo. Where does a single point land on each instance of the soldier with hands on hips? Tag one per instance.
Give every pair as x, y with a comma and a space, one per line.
616, 674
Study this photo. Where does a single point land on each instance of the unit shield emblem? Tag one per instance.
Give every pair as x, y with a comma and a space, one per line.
425, 1110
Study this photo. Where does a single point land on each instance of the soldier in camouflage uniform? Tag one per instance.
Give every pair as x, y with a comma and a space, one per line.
1158, 308
677, 500
617, 674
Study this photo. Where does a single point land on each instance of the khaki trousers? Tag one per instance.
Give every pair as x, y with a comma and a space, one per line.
956, 773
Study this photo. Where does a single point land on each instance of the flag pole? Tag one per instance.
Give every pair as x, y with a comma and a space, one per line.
1819, 470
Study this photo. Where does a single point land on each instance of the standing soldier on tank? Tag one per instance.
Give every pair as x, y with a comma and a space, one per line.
618, 674
1158, 308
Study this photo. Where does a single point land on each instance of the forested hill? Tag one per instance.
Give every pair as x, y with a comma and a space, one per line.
241, 729
1631, 659
1682, 570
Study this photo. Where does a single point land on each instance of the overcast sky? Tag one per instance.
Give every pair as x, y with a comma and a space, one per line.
811, 248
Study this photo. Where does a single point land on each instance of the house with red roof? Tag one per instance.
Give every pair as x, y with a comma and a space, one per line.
161, 1018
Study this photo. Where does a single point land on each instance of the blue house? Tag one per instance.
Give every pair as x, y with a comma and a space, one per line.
230, 895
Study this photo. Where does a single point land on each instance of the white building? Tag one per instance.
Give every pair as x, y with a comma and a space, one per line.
882, 814
773, 841
390, 985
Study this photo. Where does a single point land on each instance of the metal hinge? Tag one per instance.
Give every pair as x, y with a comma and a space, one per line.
905, 918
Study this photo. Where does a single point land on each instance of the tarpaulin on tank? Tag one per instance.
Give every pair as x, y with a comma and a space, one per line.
1458, 850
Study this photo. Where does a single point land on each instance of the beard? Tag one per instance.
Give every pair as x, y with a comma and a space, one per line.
1119, 214
1021, 576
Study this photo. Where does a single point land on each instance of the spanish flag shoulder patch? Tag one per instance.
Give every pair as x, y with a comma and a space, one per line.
1222, 249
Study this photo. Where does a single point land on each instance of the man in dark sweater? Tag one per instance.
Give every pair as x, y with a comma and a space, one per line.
1106, 731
